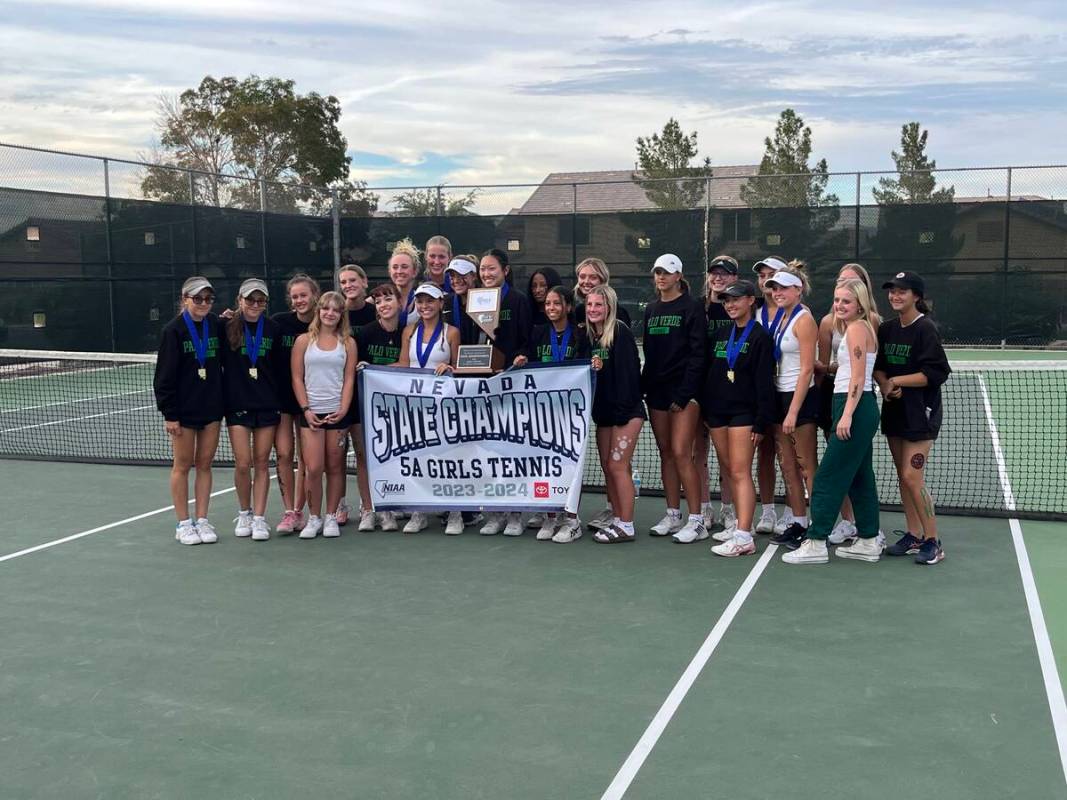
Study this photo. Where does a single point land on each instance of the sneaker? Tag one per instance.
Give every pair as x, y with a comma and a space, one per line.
723, 535
792, 536
186, 533
494, 524
260, 529
244, 524
603, 519
862, 550
811, 551
331, 528
729, 516
666, 526
366, 521
880, 538
536, 520
568, 531
454, 524
767, 521
547, 529
843, 531
417, 523
514, 525
734, 548
930, 552
907, 545
692, 531
709, 516
206, 531
302, 520
289, 521
784, 521
343, 510
312, 527
387, 519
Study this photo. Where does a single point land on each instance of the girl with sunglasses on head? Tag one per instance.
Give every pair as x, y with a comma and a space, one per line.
250, 370
189, 394
404, 269
302, 293
324, 368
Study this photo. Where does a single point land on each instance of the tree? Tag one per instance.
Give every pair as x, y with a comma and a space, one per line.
915, 182
424, 203
668, 155
242, 135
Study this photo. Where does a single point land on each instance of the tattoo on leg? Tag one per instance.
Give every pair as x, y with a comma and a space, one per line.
918, 461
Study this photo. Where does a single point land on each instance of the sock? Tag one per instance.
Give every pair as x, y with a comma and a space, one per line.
704, 507
802, 520
258, 517
201, 519
184, 522
769, 509
674, 513
624, 526
743, 536
697, 518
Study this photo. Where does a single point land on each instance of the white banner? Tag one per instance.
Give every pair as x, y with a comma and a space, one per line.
512, 442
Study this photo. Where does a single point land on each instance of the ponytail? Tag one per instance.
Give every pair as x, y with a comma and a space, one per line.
922, 306
235, 327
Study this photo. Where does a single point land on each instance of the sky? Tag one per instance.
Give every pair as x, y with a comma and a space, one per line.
500, 92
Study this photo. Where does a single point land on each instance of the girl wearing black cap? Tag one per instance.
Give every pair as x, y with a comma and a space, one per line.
738, 406
674, 345
910, 369
188, 390
543, 279
250, 373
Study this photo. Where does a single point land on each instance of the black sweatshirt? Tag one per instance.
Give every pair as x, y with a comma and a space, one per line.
717, 320
541, 344
514, 328
621, 314
905, 351
181, 395
752, 390
364, 316
241, 391
377, 345
674, 346
289, 328
617, 399
468, 328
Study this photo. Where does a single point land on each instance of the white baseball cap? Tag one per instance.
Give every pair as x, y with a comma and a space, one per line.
785, 279
774, 263
431, 289
253, 285
461, 266
668, 262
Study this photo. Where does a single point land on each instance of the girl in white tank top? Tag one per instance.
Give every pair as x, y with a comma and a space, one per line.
428, 341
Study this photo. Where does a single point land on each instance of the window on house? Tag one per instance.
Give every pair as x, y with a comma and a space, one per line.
737, 226
149, 238
33, 233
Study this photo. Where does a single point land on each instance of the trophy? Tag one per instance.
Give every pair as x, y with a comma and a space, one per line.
483, 306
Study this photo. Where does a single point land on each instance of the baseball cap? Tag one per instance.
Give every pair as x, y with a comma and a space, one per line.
739, 289
724, 262
774, 263
461, 266
906, 280
668, 262
252, 285
195, 285
785, 279
432, 289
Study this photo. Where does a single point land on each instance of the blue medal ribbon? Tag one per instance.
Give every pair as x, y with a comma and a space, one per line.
199, 341
407, 306
559, 347
252, 344
771, 326
424, 355
455, 310
781, 334
733, 350
504, 290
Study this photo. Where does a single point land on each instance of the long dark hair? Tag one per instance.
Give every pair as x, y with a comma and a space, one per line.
566, 295
502, 259
551, 278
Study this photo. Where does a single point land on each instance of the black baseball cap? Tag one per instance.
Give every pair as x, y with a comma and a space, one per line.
906, 280
739, 289
723, 262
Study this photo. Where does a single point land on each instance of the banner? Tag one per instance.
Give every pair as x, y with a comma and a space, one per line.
512, 442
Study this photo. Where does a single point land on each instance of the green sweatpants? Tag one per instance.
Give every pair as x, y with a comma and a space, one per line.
847, 469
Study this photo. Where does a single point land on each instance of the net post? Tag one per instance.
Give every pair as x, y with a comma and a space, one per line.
110, 258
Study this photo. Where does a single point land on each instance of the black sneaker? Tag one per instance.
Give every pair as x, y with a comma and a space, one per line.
907, 545
791, 537
930, 552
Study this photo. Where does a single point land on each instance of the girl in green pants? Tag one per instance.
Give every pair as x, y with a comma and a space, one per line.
846, 467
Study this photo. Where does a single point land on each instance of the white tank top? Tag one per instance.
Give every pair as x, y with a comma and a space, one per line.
844, 369
441, 353
324, 377
789, 365
835, 342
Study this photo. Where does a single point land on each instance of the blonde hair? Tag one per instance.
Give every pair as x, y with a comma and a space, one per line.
800, 269
860, 270
439, 240
356, 268
405, 247
858, 290
599, 267
327, 298
607, 337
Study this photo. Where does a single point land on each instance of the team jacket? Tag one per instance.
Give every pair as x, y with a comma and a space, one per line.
674, 346
180, 393
241, 391
752, 390
617, 398
905, 351
541, 344
289, 327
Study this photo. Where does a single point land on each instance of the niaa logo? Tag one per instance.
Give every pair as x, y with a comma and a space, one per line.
386, 488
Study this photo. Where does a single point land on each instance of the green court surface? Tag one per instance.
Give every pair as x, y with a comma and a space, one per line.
389, 666
959, 354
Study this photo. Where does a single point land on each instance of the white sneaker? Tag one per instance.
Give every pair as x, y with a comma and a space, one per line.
302, 520
602, 519
729, 516
260, 529
568, 531
548, 528
454, 525
811, 551
666, 526
366, 521
417, 523
536, 520
784, 521
387, 519
692, 531
206, 531
724, 535
514, 526
244, 524
734, 548
767, 522
709, 516
842, 532
330, 528
343, 511
186, 533
312, 527
880, 538
494, 524
862, 550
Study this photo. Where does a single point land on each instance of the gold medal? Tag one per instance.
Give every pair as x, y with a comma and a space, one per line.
202, 372
253, 373
730, 375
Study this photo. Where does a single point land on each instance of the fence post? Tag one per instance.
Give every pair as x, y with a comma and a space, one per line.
574, 226
263, 227
1004, 287
112, 324
438, 208
192, 222
707, 223
856, 249
336, 211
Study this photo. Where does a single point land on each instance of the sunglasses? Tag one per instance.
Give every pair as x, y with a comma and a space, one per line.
253, 301
202, 300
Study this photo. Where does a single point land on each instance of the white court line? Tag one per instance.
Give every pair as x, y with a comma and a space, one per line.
72, 402
74, 419
72, 537
628, 771
1046, 658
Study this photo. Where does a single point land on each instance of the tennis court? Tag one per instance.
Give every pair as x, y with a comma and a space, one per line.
384, 665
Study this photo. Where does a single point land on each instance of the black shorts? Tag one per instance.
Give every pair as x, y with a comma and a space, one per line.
196, 424
253, 419
615, 419
809, 409
898, 423
333, 426
662, 400
744, 420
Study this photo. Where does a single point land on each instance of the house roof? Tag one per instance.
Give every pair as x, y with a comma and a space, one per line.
616, 190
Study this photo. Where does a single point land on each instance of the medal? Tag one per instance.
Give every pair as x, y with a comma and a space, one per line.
253, 373
252, 345
559, 348
202, 374
423, 355
733, 349
200, 343
730, 375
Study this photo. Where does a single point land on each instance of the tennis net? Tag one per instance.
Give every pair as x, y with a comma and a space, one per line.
1002, 449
